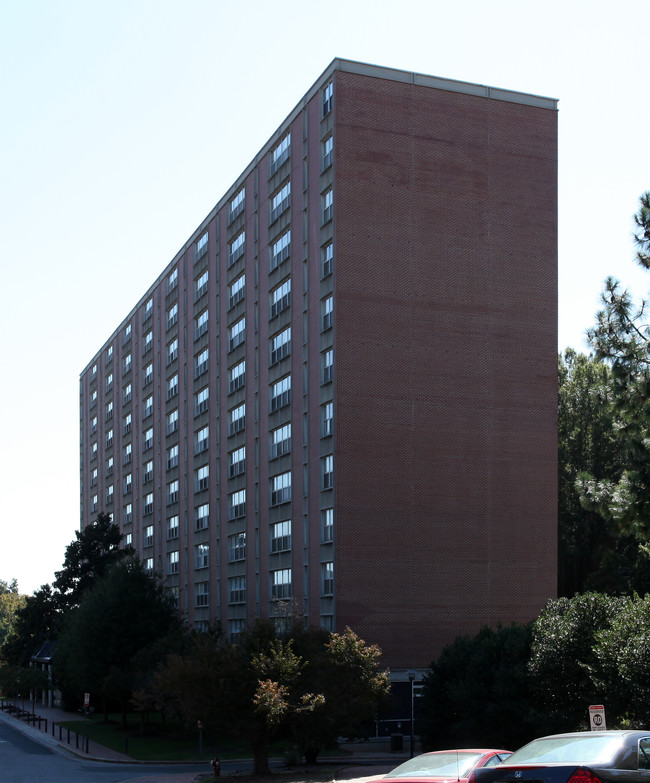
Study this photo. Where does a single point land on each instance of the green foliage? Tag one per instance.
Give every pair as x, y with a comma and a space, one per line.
10, 604
563, 661
588, 557
118, 619
474, 689
36, 621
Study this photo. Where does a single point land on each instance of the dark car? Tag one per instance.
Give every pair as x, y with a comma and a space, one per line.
579, 757
444, 766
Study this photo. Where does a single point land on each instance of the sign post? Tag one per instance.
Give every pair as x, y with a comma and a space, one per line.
597, 717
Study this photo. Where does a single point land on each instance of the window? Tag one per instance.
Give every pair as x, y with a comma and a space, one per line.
280, 250
172, 492
201, 555
93, 452
109, 466
281, 536
93, 503
236, 547
201, 440
128, 513
148, 407
280, 201
327, 259
148, 503
328, 98
172, 386
126, 364
127, 393
147, 538
148, 472
237, 291
172, 457
93, 398
93, 370
172, 315
109, 353
127, 452
236, 248
202, 594
280, 297
127, 334
280, 153
202, 478
109, 410
327, 365
235, 630
281, 488
327, 470
281, 584
281, 345
109, 438
327, 200
237, 377
281, 393
148, 565
147, 343
237, 419
93, 477
236, 206
237, 590
281, 441
201, 516
172, 351
148, 439
327, 419
172, 527
93, 425
327, 578
237, 462
109, 381
327, 151
237, 333
148, 310
173, 561
201, 247
201, 400
109, 494
201, 324
237, 504
201, 285
172, 421
201, 362
172, 280
128, 540
327, 308
148, 374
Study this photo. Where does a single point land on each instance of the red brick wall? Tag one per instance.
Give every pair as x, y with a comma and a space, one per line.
446, 363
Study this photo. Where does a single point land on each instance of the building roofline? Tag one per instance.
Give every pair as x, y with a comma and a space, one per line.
348, 66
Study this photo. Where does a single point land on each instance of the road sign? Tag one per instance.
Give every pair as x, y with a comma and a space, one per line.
597, 717
86, 699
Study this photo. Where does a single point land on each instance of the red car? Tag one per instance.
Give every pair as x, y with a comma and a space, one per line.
445, 766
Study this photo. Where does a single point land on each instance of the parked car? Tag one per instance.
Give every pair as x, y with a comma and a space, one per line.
578, 757
444, 766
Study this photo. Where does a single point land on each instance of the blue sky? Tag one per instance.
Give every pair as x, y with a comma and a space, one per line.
124, 123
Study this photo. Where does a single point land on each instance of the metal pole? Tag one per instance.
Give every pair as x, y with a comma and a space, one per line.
411, 676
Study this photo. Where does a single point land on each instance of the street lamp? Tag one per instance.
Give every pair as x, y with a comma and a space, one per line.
411, 676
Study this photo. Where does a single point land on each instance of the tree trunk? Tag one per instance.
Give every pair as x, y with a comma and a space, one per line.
260, 745
311, 754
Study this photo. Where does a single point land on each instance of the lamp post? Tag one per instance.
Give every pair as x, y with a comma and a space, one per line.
411, 676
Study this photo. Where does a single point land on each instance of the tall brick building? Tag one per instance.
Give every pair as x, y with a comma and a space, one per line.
339, 397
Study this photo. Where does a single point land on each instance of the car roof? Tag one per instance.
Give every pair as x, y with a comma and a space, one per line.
607, 733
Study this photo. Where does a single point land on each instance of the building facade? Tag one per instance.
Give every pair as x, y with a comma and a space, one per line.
339, 398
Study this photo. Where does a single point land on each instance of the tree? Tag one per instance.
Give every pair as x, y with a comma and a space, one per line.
621, 337
475, 687
88, 558
10, 602
564, 663
590, 555
122, 614
36, 621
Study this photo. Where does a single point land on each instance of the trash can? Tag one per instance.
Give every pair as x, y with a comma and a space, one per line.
396, 743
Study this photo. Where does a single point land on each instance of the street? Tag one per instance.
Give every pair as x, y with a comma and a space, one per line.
22, 760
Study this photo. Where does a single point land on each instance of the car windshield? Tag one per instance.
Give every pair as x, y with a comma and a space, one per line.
591, 749
456, 764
